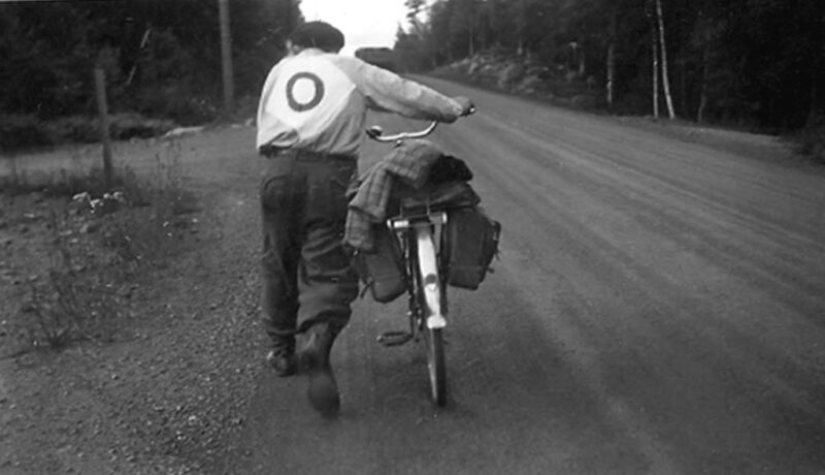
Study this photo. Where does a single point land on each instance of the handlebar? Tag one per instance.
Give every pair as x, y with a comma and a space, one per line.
377, 133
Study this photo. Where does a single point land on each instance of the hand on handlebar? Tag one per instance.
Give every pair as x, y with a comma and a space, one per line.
467, 106
377, 133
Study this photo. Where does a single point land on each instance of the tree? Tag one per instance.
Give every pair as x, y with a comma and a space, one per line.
611, 57
705, 38
654, 51
48, 50
665, 75
752, 62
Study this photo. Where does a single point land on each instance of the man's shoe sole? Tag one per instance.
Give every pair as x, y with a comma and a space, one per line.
322, 391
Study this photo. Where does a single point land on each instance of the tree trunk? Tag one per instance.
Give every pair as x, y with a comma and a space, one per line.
654, 46
611, 59
814, 110
611, 72
522, 25
483, 31
471, 36
665, 81
683, 103
226, 56
143, 42
703, 96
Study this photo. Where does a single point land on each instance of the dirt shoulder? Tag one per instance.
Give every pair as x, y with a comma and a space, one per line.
158, 387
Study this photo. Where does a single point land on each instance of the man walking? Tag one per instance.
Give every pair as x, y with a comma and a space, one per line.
310, 126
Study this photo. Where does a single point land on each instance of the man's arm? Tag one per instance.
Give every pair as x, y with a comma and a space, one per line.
386, 91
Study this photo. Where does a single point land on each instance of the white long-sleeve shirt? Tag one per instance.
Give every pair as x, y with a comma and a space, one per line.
318, 101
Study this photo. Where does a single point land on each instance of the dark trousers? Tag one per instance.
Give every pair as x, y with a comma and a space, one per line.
307, 275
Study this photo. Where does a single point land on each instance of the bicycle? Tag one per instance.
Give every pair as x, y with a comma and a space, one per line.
419, 233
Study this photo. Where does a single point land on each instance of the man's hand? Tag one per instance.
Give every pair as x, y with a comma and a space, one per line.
467, 106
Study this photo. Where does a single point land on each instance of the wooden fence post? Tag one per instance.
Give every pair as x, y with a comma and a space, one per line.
103, 112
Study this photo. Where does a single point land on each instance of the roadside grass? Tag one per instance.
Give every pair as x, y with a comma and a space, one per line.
94, 240
810, 141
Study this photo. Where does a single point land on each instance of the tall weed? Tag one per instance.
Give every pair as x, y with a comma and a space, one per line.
98, 242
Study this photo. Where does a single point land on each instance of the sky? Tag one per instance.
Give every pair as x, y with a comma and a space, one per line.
363, 22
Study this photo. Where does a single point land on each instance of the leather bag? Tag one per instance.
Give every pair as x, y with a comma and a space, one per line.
382, 269
472, 239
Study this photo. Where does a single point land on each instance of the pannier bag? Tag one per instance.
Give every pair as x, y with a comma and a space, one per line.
382, 269
471, 243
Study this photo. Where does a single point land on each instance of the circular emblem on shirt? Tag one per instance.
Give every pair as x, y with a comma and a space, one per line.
304, 91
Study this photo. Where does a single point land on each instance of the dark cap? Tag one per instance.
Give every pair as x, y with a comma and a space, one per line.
318, 34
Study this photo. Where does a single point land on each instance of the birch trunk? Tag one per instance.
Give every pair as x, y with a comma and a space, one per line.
522, 25
654, 46
665, 81
611, 72
703, 98
611, 59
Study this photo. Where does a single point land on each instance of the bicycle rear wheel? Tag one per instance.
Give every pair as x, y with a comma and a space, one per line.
431, 300
437, 365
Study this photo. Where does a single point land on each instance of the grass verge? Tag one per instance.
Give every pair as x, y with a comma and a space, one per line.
82, 246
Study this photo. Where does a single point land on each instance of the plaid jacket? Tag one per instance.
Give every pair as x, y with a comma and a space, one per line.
410, 162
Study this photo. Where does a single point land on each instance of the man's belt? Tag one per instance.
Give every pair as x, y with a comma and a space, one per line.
269, 151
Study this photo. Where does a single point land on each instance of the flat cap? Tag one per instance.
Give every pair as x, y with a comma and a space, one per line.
318, 34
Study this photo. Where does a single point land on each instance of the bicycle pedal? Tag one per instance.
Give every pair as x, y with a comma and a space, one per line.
394, 338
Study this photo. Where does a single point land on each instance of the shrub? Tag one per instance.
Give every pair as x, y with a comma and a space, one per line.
76, 301
131, 125
511, 74
75, 129
177, 103
19, 132
810, 141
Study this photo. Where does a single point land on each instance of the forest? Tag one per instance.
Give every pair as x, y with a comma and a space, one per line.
753, 64
162, 59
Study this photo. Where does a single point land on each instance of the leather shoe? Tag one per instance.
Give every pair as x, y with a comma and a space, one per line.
283, 361
322, 391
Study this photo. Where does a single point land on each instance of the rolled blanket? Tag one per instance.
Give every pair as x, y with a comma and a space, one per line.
409, 162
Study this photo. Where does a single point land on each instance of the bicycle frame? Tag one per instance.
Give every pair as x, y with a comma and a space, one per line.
420, 238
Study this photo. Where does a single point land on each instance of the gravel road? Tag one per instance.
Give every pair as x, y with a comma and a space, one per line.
658, 308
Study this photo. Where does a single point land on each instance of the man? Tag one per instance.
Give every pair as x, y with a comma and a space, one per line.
310, 125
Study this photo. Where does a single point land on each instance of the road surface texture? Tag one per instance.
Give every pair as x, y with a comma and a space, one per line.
659, 307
